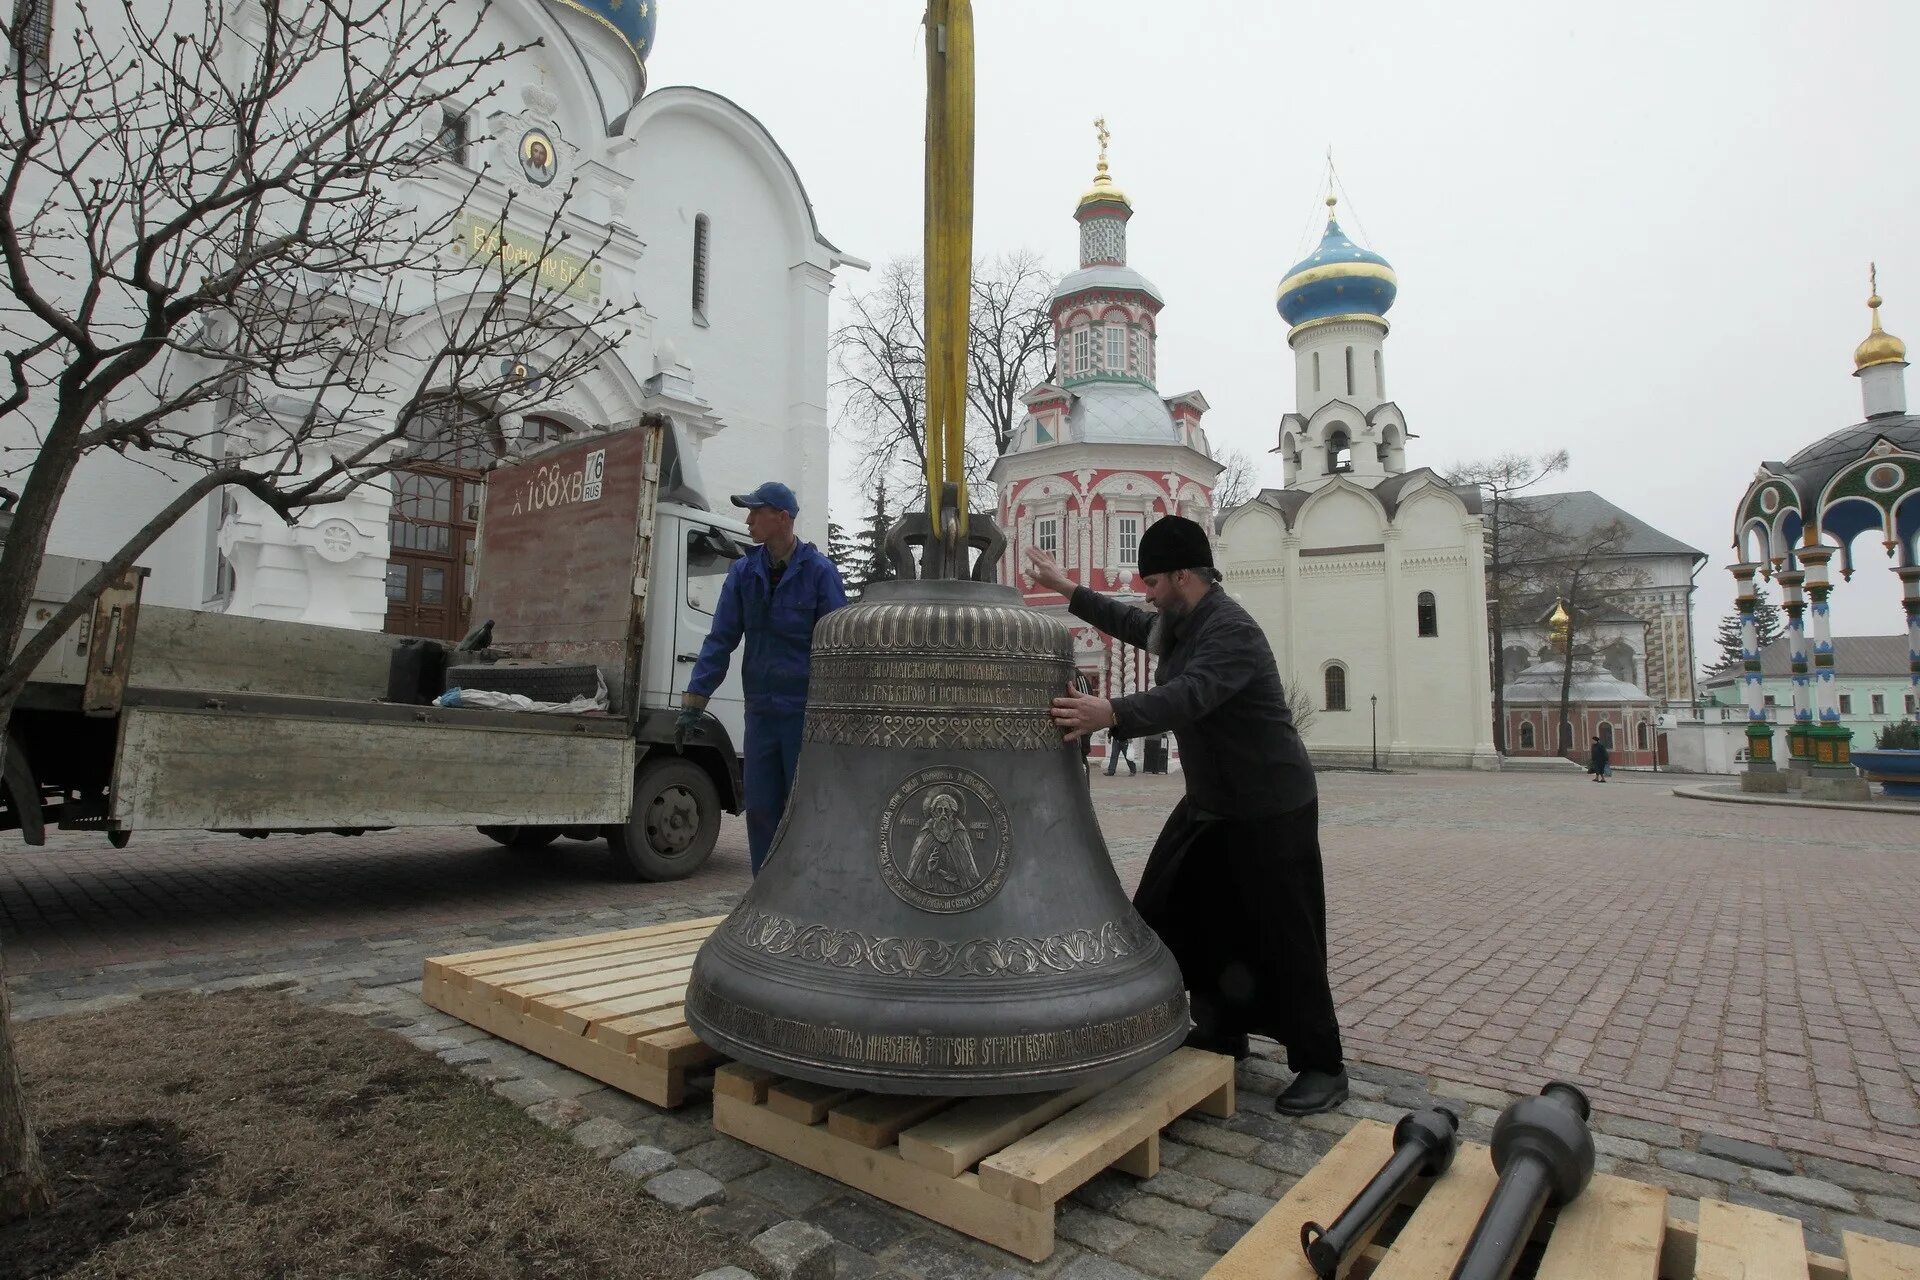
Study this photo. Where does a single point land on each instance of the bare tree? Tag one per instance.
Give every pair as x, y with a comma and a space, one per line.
880, 357
1300, 702
1239, 483
1500, 479
223, 260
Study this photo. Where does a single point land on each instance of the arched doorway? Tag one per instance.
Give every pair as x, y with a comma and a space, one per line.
436, 506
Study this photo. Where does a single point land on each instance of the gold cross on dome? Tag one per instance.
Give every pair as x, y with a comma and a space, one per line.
1100, 127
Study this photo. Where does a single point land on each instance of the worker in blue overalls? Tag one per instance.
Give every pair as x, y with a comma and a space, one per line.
773, 595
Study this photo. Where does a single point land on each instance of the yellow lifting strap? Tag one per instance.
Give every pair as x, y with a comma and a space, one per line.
949, 252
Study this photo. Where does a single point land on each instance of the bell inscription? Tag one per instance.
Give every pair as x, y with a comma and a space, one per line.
944, 840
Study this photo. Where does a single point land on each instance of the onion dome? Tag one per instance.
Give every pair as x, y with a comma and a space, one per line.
1103, 188
631, 21
1338, 278
1879, 346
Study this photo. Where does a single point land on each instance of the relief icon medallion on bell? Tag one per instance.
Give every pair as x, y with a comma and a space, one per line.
944, 840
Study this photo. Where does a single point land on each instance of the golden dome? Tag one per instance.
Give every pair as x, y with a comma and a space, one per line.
1879, 347
1103, 187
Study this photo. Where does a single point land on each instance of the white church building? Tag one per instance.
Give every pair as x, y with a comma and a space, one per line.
707, 228
1367, 576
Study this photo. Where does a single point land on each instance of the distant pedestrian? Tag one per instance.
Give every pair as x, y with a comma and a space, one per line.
1116, 752
1599, 762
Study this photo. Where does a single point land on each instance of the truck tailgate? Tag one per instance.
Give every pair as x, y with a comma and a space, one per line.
278, 763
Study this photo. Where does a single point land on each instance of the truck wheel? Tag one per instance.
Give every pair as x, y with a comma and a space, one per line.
521, 837
675, 821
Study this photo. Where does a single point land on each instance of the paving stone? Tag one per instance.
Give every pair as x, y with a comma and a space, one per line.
1354, 1108
1107, 1191
1165, 1215
463, 1055
1860, 1177
726, 1273
1684, 1184
795, 1251
742, 1217
644, 1162
1812, 1190
1182, 1188
1895, 1209
686, 1189
1168, 1256
1172, 1153
1367, 1089
1684, 1208
523, 1093
1261, 1075
605, 1138
794, 1189
1407, 1098
1389, 1076
1092, 1267
489, 1072
1240, 1206
1213, 1136
1230, 1172
1809, 1216
1287, 1157
433, 1042
724, 1158
867, 1229
1869, 1227
1747, 1153
1097, 1231
851, 1264
1622, 1148
671, 1135
1464, 1092
931, 1260
1225, 1234
1648, 1131
560, 1114
1710, 1167
565, 1083
615, 1105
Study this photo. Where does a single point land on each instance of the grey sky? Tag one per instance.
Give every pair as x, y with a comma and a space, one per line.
1638, 231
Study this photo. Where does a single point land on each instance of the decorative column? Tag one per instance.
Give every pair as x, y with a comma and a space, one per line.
1828, 740
1794, 602
1761, 770
1910, 601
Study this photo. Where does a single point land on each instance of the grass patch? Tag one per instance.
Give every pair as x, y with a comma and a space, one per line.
244, 1134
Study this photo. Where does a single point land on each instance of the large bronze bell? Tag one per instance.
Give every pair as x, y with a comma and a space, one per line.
938, 913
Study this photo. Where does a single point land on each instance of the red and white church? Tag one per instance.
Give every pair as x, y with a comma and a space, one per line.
1101, 453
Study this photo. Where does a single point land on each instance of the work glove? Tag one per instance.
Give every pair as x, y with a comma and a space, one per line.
689, 721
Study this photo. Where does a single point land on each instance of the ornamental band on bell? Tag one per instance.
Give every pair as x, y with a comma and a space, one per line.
944, 840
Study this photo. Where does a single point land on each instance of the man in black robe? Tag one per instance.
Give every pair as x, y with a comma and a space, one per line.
1234, 884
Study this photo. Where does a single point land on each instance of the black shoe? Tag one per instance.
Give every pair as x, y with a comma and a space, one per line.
1312, 1092
1234, 1047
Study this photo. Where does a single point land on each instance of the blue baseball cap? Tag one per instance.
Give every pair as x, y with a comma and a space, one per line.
771, 494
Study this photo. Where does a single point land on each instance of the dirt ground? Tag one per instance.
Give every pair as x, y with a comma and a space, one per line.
245, 1135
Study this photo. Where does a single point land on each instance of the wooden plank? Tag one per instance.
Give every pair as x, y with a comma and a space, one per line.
955, 1140
1144, 1160
1434, 1238
470, 960
803, 1101
211, 770
1271, 1248
662, 1088
675, 1049
1613, 1231
626, 1032
1738, 1243
875, 1119
577, 959
1871, 1258
1048, 1163
671, 994
748, 1084
603, 987
571, 972
953, 1202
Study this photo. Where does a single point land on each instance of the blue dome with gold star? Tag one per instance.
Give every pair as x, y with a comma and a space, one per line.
631, 20
1338, 278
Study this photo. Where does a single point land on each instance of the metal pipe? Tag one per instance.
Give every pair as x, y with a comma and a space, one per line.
1424, 1143
1544, 1154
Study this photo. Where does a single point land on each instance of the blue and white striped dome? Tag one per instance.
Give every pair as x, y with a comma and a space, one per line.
1338, 278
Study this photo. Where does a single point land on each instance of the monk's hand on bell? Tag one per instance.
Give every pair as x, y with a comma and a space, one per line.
1046, 571
1077, 714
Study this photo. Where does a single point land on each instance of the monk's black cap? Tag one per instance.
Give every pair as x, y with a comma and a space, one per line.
1174, 542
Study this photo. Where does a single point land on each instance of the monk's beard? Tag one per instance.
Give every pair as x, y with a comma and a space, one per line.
1165, 628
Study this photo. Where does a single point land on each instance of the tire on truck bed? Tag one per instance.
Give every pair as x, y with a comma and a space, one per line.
674, 823
541, 681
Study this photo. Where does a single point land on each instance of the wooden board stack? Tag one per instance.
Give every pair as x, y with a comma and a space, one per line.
609, 1005
992, 1168
1616, 1229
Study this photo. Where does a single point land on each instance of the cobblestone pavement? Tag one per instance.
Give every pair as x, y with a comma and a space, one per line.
1737, 988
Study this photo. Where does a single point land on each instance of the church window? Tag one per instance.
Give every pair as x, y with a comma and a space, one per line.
1336, 687
1046, 535
1349, 370
32, 35
1526, 735
1429, 614
1379, 378
702, 236
1640, 735
1566, 735
1846, 704
1316, 371
453, 137
1082, 349
538, 431
1606, 734
1879, 704
1116, 348
1339, 452
1911, 703
1129, 527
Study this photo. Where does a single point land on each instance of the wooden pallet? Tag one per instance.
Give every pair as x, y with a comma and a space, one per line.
607, 1004
992, 1168
1616, 1229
